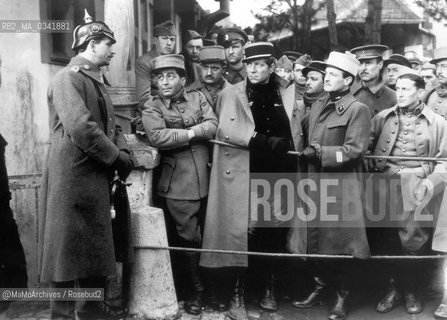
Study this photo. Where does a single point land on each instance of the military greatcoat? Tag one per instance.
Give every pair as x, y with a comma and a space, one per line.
227, 216
75, 230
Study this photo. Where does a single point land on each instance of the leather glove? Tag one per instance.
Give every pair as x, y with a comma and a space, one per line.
310, 155
124, 164
274, 145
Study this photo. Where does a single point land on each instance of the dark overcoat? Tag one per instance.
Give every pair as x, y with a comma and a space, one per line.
75, 230
227, 216
342, 132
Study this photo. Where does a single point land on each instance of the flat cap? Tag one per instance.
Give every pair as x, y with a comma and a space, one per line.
284, 63
176, 61
304, 60
369, 51
343, 61
439, 55
191, 35
212, 54
415, 61
397, 59
315, 65
164, 29
258, 50
292, 55
229, 36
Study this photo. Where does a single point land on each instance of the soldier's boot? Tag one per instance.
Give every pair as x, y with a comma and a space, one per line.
339, 311
237, 310
315, 297
392, 298
268, 301
194, 300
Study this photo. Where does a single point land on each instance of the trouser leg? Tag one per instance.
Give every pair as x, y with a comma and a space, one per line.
61, 310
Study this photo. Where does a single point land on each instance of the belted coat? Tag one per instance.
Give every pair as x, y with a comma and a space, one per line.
342, 132
75, 228
227, 216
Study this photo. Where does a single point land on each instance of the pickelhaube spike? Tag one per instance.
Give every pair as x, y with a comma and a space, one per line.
87, 18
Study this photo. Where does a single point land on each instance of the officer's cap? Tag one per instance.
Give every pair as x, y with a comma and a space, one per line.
229, 36
369, 51
212, 54
292, 55
439, 55
258, 50
168, 61
284, 63
318, 66
343, 61
397, 59
90, 30
164, 29
191, 35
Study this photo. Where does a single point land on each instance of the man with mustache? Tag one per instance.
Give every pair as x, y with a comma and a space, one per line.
233, 40
211, 81
437, 100
163, 43
179, 122
86, 151
193, 42
370, 87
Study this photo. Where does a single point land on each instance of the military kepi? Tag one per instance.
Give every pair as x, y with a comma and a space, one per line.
343, 61
439, 55
164, 29
315, 65
369, 51
397, 59
176, 61
258, 50
212, 54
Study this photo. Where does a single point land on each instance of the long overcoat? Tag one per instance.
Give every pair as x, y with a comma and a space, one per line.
75, 230
227, 215
342, 132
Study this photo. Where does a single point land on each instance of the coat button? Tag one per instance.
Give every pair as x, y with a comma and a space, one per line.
227, 154
268, 118
393, 132
404, 150
182, 110
405, 132
110, 118
170, 120
227, 172
380, 160
193, 150
86, 67
408, 123
187, 121
111, 130
388, 141
301, 134
436, 108
401, 167
405, 141
232, 118
384, 149
395, 122
227, 137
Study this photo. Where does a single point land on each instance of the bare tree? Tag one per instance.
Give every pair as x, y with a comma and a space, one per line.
373, 23
331, 18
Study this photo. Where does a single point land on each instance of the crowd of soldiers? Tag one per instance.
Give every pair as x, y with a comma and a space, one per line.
265, 115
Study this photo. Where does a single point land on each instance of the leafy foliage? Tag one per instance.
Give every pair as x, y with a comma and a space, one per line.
437, 9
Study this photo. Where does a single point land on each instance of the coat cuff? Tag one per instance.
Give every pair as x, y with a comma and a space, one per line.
104, 151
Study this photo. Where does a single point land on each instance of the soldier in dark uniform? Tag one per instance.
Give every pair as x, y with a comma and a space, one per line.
12, 258
193, 42
86, 150
369, 87
179, 122
437, 98
164, 43
212, 80
233, 40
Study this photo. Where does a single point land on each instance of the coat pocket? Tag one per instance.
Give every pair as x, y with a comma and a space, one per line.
342, 122
167, 170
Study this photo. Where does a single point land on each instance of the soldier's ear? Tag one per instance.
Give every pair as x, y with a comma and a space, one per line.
183, 81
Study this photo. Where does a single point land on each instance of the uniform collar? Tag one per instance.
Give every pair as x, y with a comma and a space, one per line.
342, 104
81, 64
181, 97
426, 112
359, 85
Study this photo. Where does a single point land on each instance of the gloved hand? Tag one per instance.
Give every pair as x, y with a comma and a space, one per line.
275, 145
309, 154
124, 164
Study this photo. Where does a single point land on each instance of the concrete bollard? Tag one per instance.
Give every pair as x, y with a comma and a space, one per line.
152, 291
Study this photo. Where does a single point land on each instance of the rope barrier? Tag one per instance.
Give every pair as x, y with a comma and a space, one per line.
368, 157
287, 255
